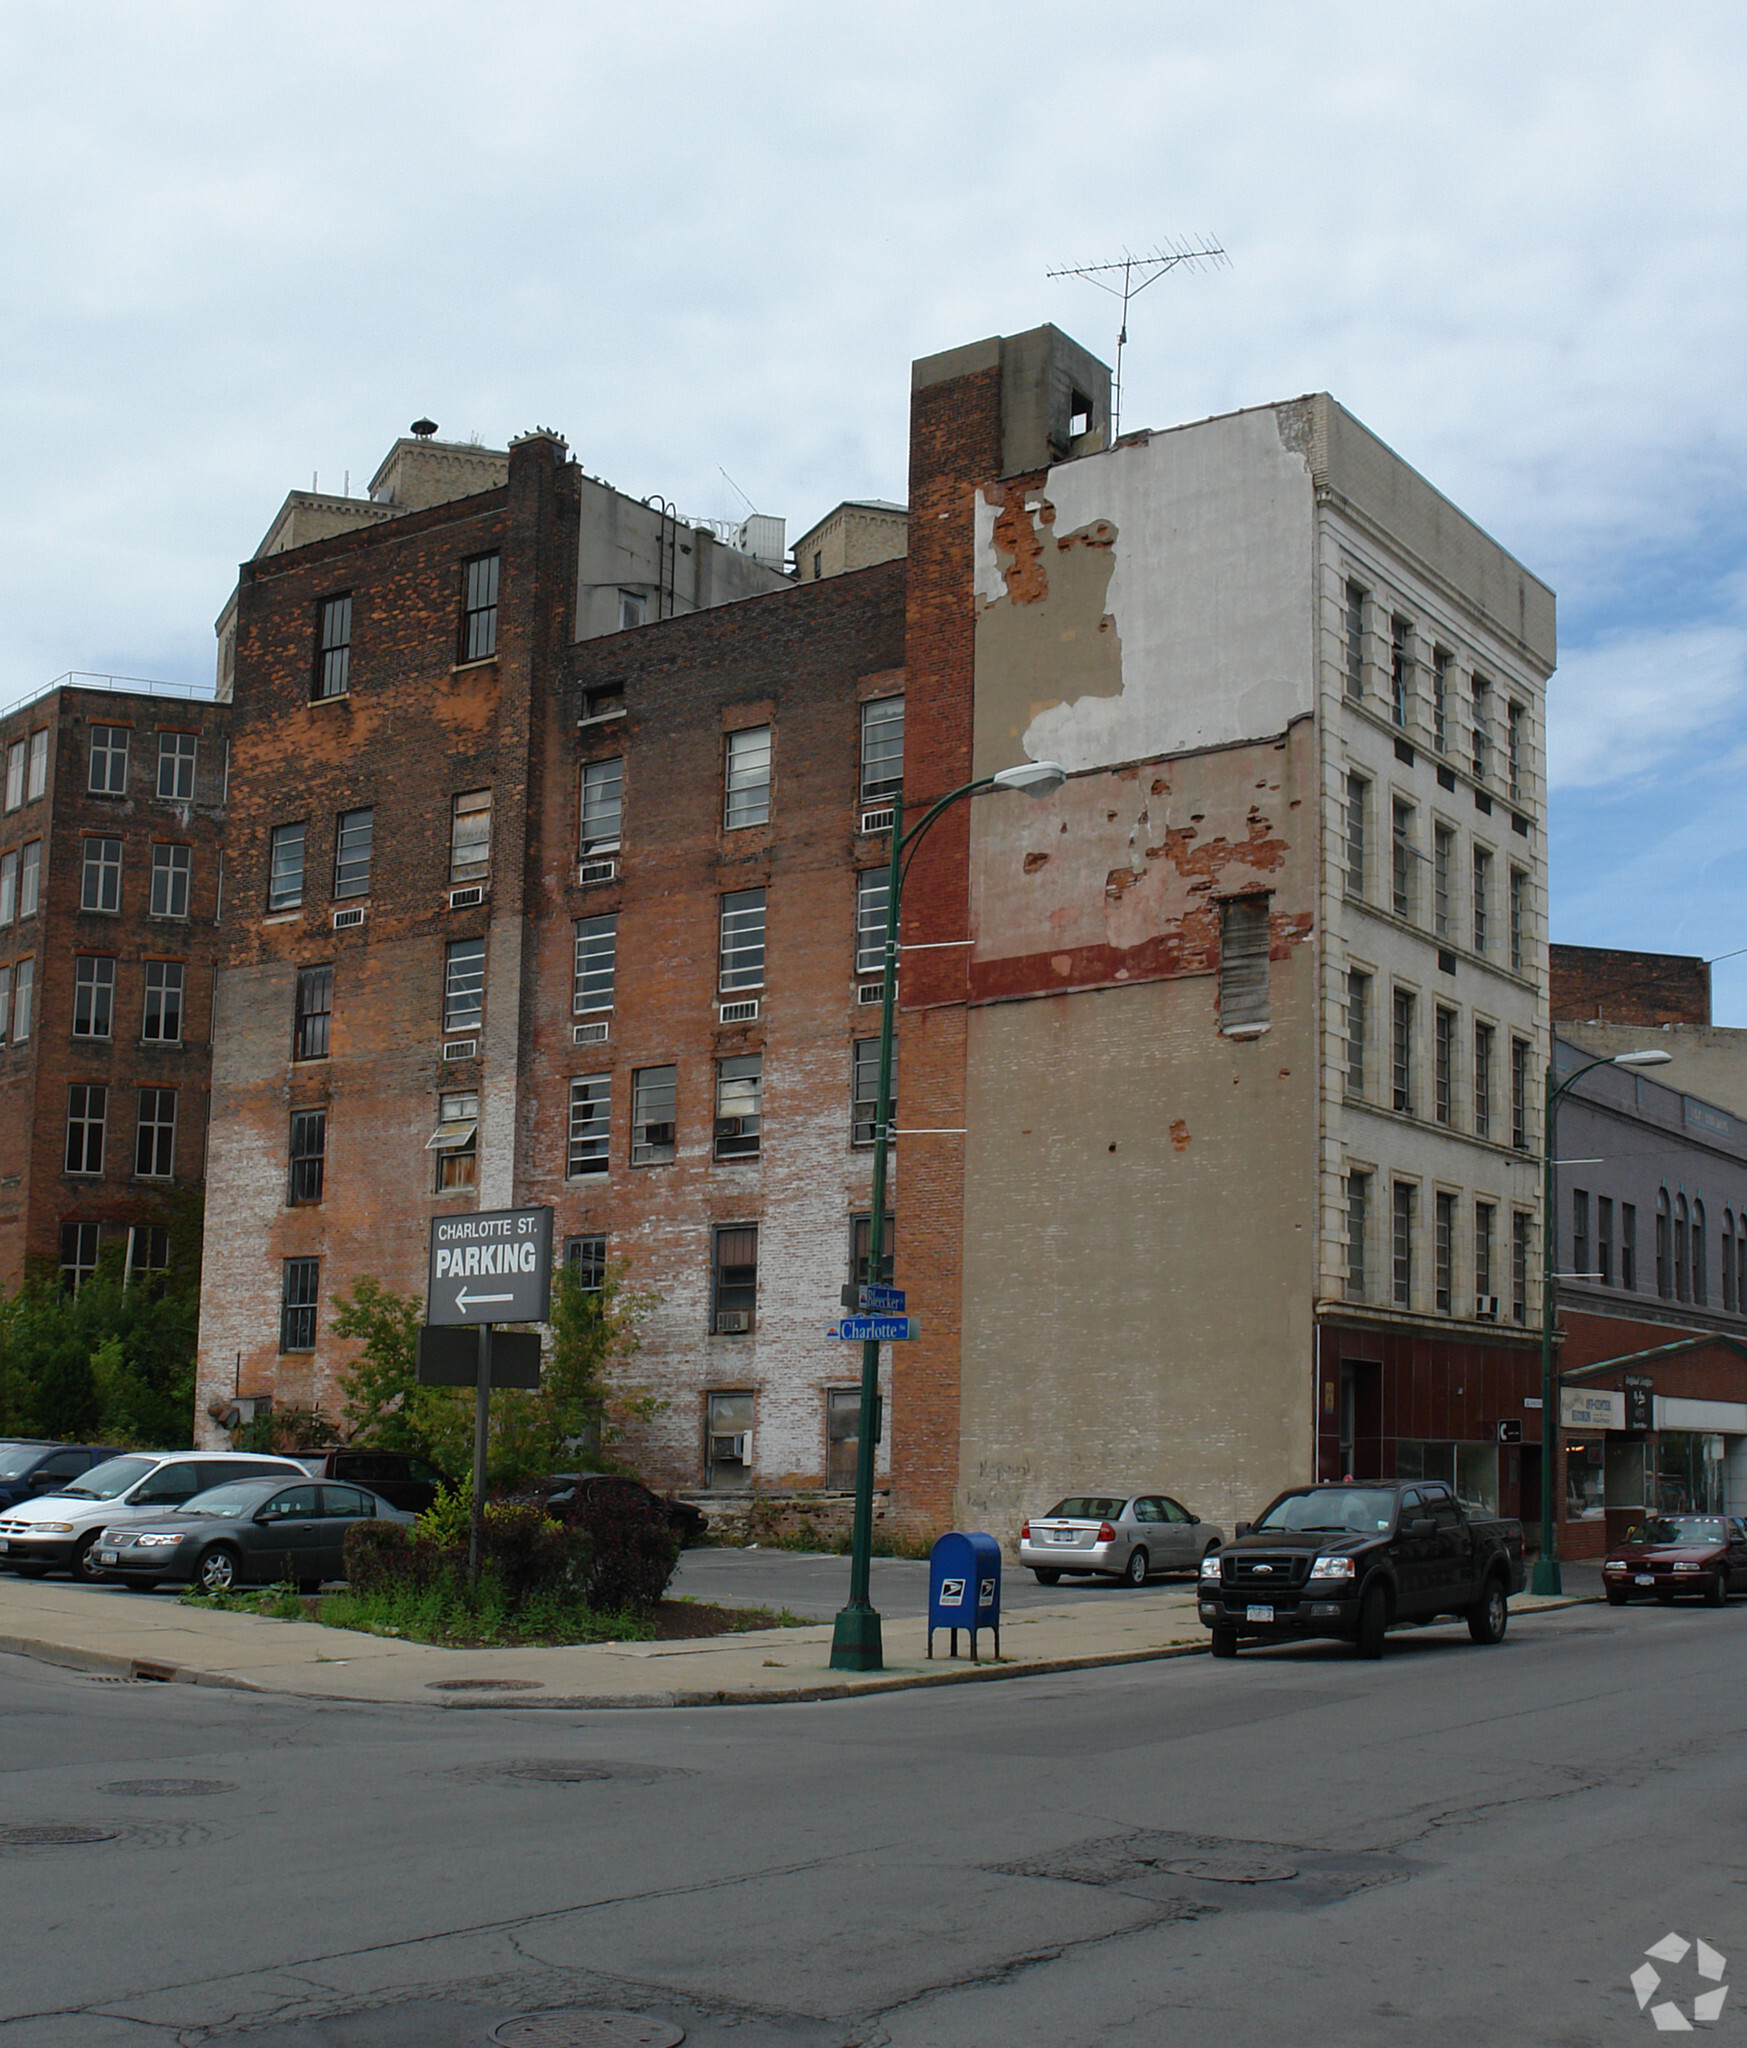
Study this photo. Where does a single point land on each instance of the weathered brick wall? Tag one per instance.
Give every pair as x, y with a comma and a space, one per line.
1602, 985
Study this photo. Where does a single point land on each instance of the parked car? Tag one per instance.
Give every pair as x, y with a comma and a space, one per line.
56, 1530
1117, 1536
1705, 1555
33, 1465
1353, 1561
577, 1492
398, 1476
245, 1532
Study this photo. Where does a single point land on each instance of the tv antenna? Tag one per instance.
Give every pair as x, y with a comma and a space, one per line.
1137, 273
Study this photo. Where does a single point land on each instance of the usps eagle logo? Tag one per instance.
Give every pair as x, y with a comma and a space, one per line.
1666, 2014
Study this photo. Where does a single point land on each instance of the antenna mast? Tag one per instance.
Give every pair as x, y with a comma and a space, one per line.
1137, 273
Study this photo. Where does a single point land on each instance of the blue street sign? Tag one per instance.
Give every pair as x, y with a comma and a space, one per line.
880, 1300
875, 1329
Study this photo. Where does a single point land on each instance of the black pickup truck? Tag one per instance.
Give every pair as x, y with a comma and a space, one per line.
1355, 1560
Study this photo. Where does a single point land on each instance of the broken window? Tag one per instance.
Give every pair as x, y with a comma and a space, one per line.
470, 837
728, 1440
590, 1108
455, 1142
586, 1257
1243, 963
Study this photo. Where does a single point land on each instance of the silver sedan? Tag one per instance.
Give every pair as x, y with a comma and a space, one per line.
1116, 1535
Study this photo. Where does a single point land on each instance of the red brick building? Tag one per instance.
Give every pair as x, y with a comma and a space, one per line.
111, 873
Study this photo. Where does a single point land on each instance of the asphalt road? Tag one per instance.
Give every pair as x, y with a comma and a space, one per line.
1457, 1845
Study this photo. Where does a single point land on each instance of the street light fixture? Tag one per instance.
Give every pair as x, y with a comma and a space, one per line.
1547, 1577
855, 1641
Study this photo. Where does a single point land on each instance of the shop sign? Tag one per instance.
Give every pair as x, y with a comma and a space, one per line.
1591, 1408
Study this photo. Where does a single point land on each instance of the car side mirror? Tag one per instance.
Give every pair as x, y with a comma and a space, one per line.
1422, 1526
1240, 1529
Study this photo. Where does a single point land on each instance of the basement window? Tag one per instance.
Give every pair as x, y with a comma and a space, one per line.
1243, 966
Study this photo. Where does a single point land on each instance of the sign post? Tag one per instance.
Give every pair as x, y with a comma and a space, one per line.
494, 1266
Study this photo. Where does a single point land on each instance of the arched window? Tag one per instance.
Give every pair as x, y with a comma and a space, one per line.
1682, 1250
1700, 1264
1664, 1248
1729, 1260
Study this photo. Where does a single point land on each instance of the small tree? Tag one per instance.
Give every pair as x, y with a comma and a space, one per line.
384, 1403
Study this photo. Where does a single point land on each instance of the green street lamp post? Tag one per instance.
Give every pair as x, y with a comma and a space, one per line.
1547, 1577
855, 1641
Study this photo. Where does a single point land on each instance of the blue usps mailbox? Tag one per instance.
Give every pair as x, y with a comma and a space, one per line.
964, 1588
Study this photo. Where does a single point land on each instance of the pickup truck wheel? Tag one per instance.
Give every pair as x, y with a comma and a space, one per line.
1490, 1615
1045, 1578
1717, 1588
1135, 1571
1224, 1642
1617, 1596
1373, 1622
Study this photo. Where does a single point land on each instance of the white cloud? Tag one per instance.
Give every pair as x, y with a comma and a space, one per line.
1635, 702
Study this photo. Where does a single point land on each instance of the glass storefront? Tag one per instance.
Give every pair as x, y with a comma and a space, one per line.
1471, 1469
1585, 1476
1689, 1472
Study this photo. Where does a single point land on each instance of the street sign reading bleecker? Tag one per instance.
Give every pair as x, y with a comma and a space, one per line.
491, 1267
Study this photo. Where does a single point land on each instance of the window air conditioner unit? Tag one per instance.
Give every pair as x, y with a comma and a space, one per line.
657, 1134
870, 992
464, 899
344, 920
733, 1322
1486, 1308
729, 1448
740, 1013
728, 1126
877, 821
596, 870
460, 1048
589, 1034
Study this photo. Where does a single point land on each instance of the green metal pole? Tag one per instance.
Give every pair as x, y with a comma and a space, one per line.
1547, 1577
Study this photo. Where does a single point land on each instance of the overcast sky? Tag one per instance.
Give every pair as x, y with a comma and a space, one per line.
246, 246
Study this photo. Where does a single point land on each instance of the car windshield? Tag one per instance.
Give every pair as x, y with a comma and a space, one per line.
1348, 1511
17, 1459
1090, 1507
234, 1497
114, 1476
1683, 1529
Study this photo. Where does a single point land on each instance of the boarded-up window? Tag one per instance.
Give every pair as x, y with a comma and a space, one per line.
1243, 963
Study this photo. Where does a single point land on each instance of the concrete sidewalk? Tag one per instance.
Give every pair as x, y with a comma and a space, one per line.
155, 1637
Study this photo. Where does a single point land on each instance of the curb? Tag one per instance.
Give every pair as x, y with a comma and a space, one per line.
108, 1664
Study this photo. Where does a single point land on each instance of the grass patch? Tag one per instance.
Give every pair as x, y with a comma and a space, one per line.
276, 1603
809, 1536
451, 1616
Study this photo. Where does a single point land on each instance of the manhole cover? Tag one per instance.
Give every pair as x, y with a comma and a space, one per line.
580, 1771
54, 1837
587, 2030
1224, 1869
168, 1788
484, 1685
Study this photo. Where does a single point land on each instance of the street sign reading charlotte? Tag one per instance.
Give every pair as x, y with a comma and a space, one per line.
876, 1329
491, 1267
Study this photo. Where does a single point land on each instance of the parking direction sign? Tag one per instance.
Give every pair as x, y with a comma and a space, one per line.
875, 1329
494, 1266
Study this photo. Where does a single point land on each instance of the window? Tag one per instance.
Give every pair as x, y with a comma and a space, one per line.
162, 1024
1519, 921
297, 1295
23, 991
1701, 1279
1243, 964
5, 1000
1604, 1240
1483, 1037
176, 756
39, 763
603, 806
172, 869
1485, 1220
1444, 1065
748, 778
1358, 1028
1401, 1244
1403, 879
15, 775
1444, 1252
1401, 1052
29, 877
315, 1007
590, 1109
309, 1152
1682, 1250
455, 1142
100, 875
470, 837
1400, 668
1482, 899
1443, 861
1521, 1223
285, 868
602, 700
864, 1090
742, 943
155, 1141
151, 1248
353, 833
78, 1254
1629, 1246
1441, 659
93, 997
842, 1418
1482, 730
1664, 1246
654, 1096
479, 608
1580, 1266
736, 1280
8, 886
597, 953
1358, 1221
882, 748
860, 1248
87, 1112
463, 985
333, 647
1519, 1093
1357, 596
1358, 823
872, 893
586, 1257
108, 760
633, 606
739, 1091
1513, 744
1727, 1263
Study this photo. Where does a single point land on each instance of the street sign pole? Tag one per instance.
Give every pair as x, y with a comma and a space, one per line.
481, 1429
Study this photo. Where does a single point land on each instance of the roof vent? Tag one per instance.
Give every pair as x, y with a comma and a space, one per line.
424, 429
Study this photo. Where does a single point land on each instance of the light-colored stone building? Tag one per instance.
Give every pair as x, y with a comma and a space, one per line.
859, 533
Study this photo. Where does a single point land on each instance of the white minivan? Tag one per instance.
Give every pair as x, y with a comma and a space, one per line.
55, 1531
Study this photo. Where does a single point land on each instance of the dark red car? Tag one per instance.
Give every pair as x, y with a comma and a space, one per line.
1673, 1554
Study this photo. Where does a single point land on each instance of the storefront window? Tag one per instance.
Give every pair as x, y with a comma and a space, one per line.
1471, 1469
1689, 1473
1585, 1478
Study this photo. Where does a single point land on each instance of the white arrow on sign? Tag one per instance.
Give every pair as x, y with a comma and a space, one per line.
464, 1299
